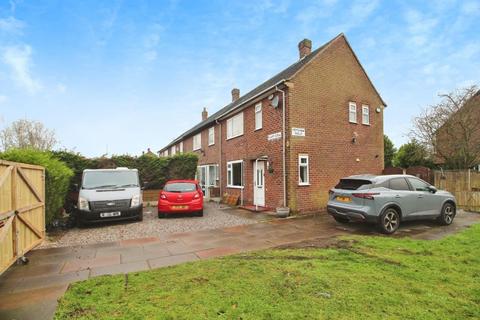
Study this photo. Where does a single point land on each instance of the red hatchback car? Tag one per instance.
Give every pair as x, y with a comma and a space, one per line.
180, 197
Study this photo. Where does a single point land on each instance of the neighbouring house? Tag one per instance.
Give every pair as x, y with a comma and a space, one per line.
456, 142
289, 140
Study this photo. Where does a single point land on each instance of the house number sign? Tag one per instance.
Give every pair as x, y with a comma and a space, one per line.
298, 132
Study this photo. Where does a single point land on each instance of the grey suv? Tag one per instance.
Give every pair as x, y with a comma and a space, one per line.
388, 200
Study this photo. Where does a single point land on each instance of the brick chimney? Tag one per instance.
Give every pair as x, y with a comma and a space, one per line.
304, 47
204, 114
235, 94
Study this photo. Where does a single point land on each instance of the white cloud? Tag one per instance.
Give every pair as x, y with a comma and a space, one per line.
3, 99
11, 25
471, 7
356, 15
151, 42
61, 88
19, 59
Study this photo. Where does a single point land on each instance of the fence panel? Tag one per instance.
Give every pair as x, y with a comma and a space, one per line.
22, 210
463, 184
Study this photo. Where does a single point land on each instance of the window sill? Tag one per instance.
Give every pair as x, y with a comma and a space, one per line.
211, 144
353, 122
258, 129
234, 137
197, 149
235, 187
304, 184
366, 124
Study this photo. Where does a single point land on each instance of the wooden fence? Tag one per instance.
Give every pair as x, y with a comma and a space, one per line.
151, 195
464, 185
22, 210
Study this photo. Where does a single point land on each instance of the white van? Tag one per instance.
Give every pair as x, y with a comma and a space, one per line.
108, 195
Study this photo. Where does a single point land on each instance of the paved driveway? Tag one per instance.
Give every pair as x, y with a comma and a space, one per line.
31, 291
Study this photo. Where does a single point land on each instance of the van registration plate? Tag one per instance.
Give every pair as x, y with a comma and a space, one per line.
344, 199
110, 214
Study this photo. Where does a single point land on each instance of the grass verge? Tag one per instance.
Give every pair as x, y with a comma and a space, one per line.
363, 277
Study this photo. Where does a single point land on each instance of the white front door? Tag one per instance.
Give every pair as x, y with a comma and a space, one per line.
259, 183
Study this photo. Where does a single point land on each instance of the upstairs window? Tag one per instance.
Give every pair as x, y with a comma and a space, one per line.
235, 174
235, 126
211, 136
303, 171
258, 116
365, 114
181, 147
197, 142
352, 112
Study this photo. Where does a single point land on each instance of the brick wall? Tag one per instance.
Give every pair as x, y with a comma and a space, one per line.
319, 103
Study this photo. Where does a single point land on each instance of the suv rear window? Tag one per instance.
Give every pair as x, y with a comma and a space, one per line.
353, 184
180, 187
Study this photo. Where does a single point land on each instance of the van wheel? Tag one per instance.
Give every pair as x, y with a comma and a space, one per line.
447, 215
161, 215
389, 221
140, 217
341, 219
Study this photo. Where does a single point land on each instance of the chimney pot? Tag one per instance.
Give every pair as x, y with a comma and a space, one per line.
204, 114
235, 94
304, 47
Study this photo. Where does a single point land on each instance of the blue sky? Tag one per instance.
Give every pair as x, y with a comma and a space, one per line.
127, 75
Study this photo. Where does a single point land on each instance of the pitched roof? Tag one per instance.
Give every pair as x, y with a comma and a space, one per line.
285, 74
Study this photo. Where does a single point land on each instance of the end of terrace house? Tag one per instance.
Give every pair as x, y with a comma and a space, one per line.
289, 140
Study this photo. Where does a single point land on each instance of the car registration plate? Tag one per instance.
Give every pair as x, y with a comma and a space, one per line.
110, 214
179, 207
344, 199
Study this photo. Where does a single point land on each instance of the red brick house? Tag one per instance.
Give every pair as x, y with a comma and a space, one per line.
289, 140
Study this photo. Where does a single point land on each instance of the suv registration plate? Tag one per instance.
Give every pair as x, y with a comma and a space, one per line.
110, 214
344, 199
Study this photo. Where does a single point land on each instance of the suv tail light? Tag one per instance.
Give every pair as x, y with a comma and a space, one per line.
368, 196
163, 196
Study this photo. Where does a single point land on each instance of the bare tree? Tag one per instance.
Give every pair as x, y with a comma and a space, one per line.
24, 134
451, 129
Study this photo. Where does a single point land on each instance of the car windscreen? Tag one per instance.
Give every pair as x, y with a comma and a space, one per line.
353, 184
180, 187
109, 179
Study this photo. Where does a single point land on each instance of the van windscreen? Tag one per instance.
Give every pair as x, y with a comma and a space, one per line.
180, 187
109, 179
353, 184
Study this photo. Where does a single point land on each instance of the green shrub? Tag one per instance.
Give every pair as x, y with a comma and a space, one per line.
57, 177
182, 166
76, 162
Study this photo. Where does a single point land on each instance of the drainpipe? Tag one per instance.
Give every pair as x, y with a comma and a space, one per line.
220, 167
283, 147
255, 183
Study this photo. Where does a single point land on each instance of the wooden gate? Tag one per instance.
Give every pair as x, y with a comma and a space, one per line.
22, 210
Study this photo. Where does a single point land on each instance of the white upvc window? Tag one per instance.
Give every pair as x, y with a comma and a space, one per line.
211, 136
181, 147
303, 170
235, 174
197, 141
258, 116
365, 114
235, 126
173, 150
352, 112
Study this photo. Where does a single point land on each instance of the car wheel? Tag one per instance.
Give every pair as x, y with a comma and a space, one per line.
389, 221
200, 213
140, 217
447, 215
161, 215
341, 219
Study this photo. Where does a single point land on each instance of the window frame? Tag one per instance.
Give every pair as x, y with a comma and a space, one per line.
367, 108
211, 134
230, 123
199, 146
258, 112
307, 166
230, 174
409, 179
352, 111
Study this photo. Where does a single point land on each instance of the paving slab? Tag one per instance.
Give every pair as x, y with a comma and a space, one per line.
171, 260
120, 268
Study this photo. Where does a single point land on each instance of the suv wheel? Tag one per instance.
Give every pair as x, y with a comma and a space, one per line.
389, 221
341, 219
447, 215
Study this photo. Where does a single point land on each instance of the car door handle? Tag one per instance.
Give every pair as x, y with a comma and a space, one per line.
398, 196
420, 196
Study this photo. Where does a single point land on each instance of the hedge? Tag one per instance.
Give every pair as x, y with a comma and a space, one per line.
57, 177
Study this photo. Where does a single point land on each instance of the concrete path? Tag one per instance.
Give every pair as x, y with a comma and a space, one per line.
31, 291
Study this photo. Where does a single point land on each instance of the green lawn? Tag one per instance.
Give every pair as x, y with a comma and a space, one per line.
362, 277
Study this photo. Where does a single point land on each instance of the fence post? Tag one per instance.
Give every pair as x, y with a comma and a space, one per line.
469, 181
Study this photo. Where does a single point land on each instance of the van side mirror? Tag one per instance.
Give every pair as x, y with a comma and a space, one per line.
432, 189
76, 188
